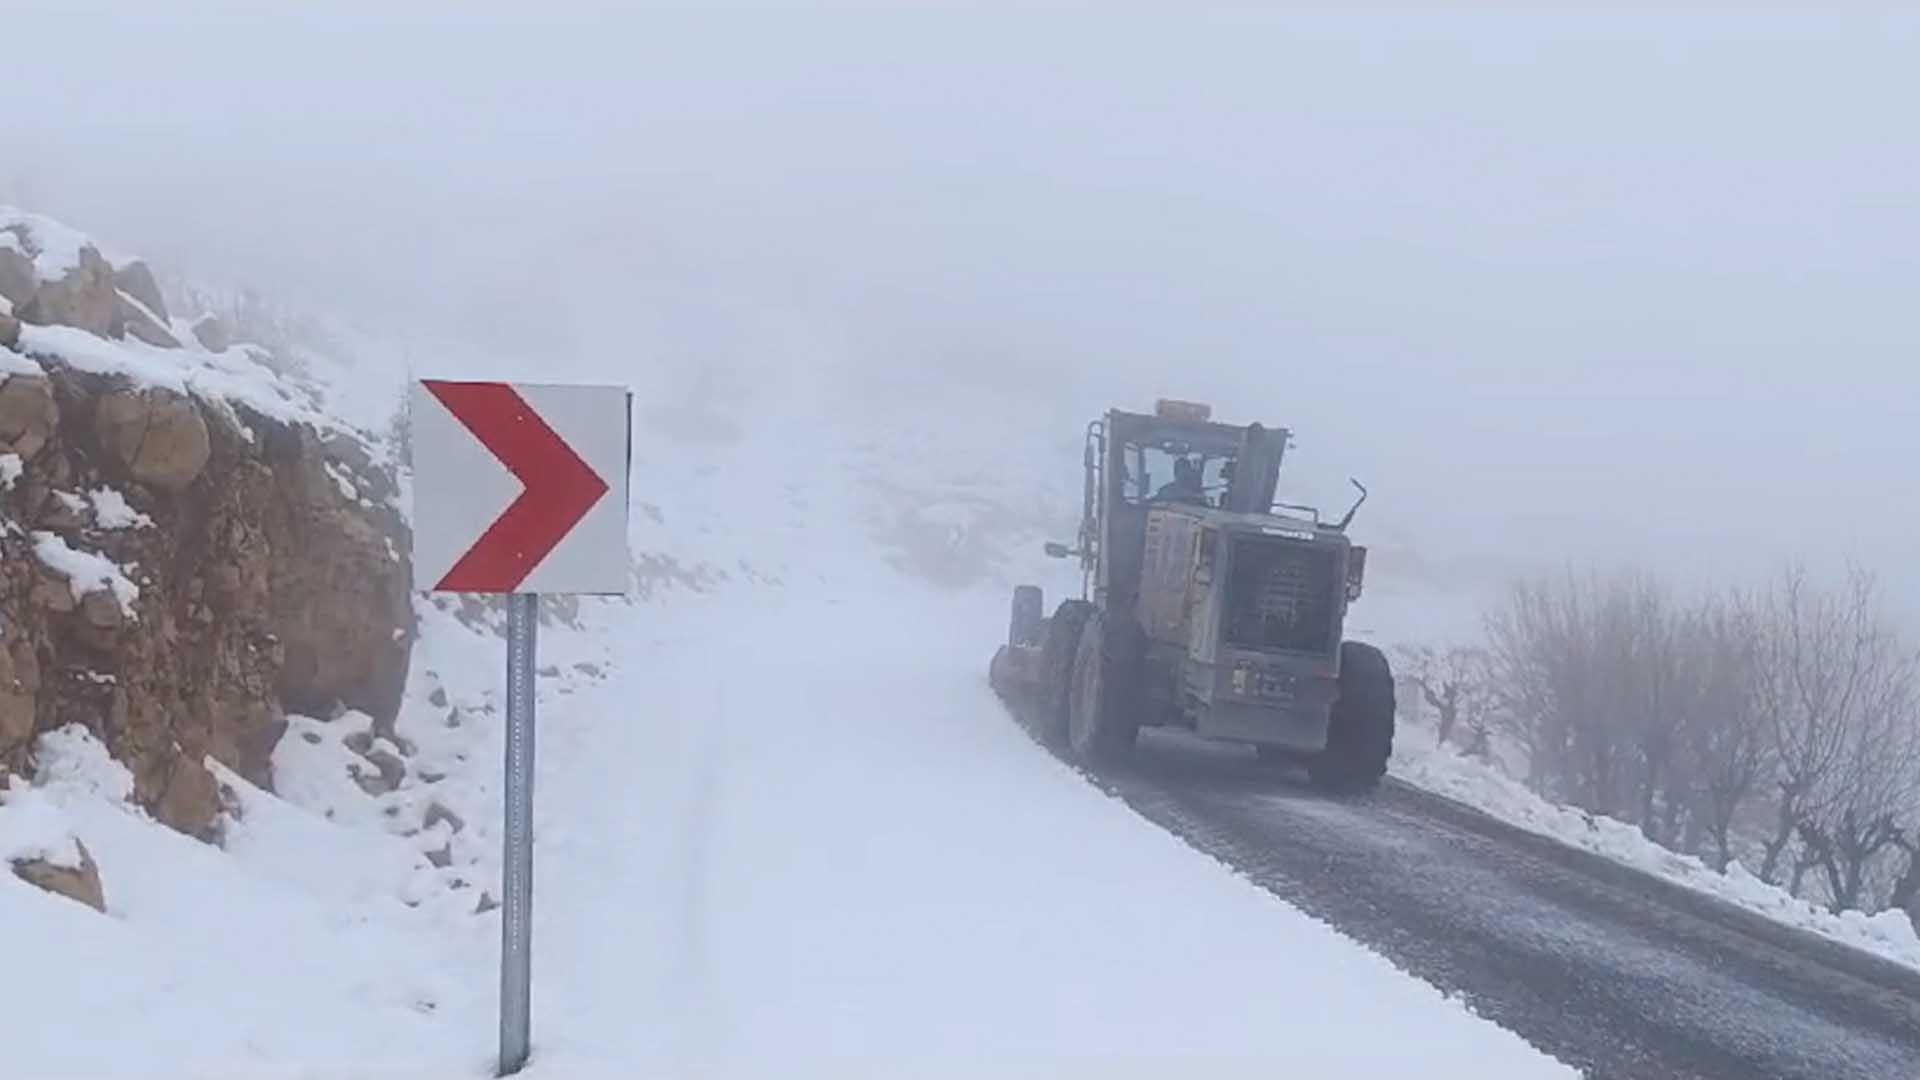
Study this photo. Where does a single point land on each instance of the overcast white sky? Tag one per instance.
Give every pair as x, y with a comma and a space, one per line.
1620, 286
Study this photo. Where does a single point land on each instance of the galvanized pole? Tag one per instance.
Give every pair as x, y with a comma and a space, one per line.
516, 922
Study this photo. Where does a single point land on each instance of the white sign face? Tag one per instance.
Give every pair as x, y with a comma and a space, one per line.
519, 487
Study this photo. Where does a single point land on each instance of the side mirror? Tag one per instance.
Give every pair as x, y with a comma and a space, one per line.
1355, 508
1356, 571
1056, 550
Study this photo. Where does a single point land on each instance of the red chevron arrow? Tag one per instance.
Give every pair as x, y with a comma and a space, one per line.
559, 487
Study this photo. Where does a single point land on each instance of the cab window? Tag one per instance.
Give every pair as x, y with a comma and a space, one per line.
1150, 469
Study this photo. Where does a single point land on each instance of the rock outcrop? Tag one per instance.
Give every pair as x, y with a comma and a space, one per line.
135, 281
85, 298
27, 415
86, 292
157, 435
255, 582
213, 333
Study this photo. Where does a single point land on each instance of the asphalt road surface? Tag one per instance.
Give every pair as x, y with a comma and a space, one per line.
1607, 977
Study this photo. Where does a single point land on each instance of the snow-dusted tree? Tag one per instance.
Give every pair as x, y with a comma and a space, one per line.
1452, 682
1726, 749
1688, 721
1580, 671
1838, 691
1523, 636
1857, 815
1811, 663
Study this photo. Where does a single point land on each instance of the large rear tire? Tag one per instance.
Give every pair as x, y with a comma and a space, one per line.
1059, 641
1104, 716
1028, 616
1360, 733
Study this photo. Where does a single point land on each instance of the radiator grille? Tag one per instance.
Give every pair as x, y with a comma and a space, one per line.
1281, 596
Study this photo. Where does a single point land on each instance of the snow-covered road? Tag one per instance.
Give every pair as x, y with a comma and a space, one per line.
808, 843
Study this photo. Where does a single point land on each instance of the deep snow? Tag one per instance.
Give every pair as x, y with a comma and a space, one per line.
779, 838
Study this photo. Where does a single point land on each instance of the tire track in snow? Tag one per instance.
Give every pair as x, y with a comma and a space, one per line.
690, 967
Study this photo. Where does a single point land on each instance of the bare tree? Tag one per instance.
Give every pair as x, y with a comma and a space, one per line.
1812, 660
1523, 636
1857, 816
1452, 682
1581, 672
1726, 748
1796, 701
1657, 664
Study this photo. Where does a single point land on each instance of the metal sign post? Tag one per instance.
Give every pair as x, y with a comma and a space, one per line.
511, 496
516, 908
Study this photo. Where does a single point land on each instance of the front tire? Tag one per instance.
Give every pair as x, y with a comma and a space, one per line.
1059, 642
1360, 731
1103, 717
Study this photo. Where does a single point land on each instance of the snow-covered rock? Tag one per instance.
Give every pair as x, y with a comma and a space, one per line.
80, 882
54, 276
213, 333
85, 572
37, 843
171, 527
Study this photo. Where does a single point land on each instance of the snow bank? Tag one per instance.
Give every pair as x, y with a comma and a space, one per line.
86, 571
1889, 934
287, 952
10, 469
71, 762
32, 827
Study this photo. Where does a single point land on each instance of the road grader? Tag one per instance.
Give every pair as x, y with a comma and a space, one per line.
1204, 605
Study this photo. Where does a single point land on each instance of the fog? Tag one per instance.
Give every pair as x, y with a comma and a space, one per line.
1558, 288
